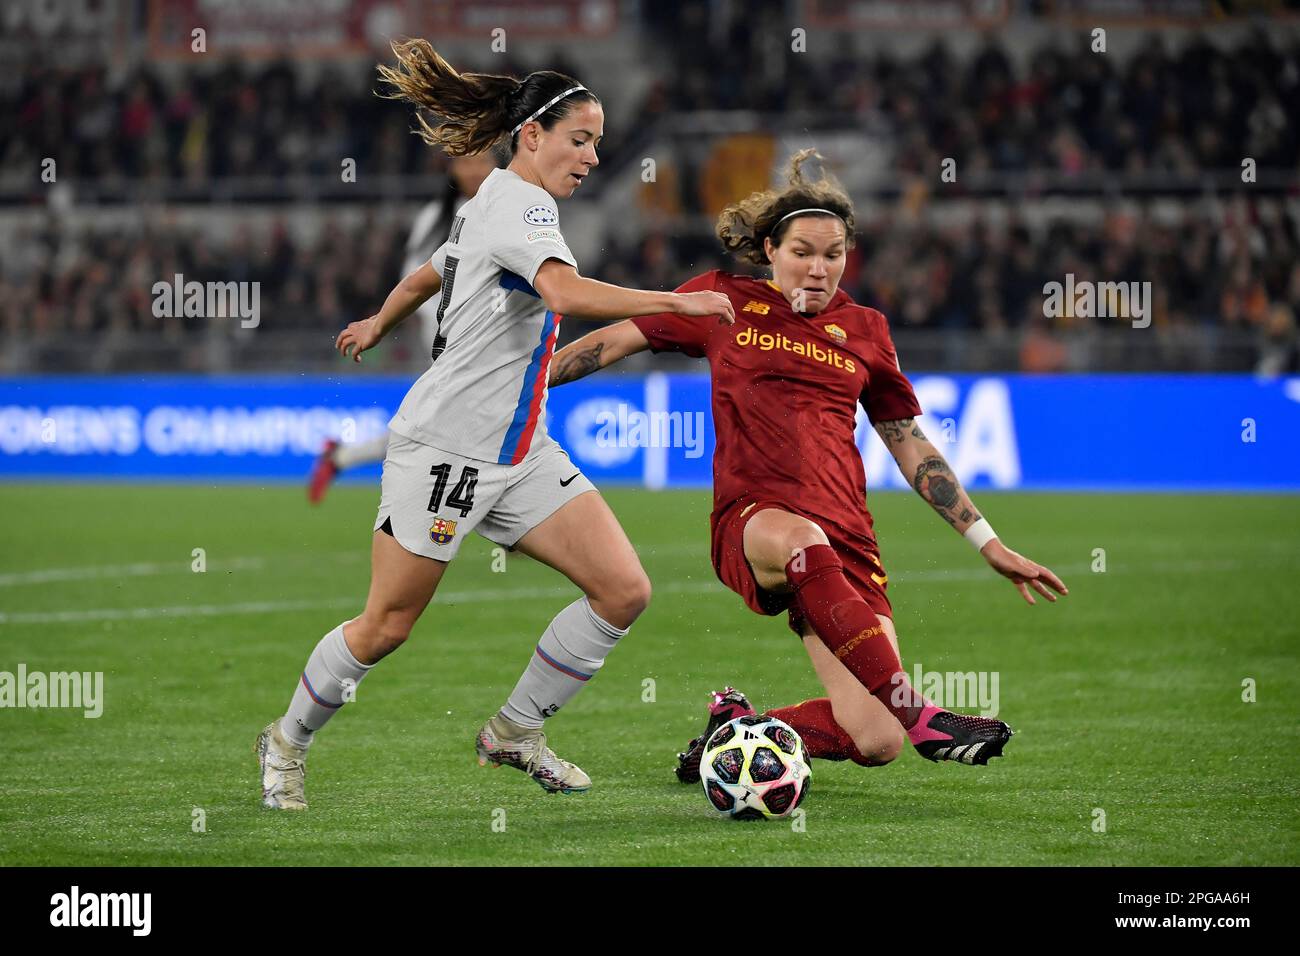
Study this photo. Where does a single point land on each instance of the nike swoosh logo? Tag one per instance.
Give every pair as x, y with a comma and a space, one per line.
564, 482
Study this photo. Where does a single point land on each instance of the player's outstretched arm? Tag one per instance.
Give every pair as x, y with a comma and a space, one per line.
595, 351
409, 294
567, 293
929, 473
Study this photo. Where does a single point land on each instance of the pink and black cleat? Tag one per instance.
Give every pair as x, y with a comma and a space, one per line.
724, 707
943, 735
323, 474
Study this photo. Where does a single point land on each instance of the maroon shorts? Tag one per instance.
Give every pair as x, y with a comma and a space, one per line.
858, 552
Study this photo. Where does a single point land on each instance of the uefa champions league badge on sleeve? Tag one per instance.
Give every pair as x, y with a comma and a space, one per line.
442, 531
541, 216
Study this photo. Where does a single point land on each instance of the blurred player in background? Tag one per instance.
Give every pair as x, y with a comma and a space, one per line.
790, 525
430, 230
469, 449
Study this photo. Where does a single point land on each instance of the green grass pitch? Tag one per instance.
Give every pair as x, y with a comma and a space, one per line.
1127, 696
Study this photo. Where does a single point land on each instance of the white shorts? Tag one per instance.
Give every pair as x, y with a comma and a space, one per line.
431, 499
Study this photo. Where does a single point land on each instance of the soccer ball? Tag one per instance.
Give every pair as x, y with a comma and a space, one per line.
755, 767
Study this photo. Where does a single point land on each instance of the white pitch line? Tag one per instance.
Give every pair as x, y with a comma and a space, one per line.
259, 562
140, 569
152, 568
495, 595
486, 596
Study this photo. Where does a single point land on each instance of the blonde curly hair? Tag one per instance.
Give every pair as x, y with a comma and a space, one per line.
744, 225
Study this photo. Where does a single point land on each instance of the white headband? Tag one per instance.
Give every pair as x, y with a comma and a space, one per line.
546, 107
800, 212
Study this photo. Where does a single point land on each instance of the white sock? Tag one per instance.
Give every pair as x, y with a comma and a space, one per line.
327, 682
361, 452
570, 652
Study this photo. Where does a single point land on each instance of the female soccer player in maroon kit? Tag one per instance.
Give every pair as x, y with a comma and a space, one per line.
790, 525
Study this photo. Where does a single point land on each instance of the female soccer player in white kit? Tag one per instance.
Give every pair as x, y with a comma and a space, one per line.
430, 230
469, 449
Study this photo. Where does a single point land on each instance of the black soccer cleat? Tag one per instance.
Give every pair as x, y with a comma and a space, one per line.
724, 707
963, 737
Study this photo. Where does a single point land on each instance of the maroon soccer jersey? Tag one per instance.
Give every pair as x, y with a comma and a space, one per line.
785, 393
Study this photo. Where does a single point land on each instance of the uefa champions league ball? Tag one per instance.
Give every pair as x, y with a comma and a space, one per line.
755, 767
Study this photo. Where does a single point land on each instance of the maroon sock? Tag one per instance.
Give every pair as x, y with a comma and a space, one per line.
847, 625
823, 738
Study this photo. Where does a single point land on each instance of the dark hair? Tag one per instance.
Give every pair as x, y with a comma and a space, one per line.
744, 225
473, 111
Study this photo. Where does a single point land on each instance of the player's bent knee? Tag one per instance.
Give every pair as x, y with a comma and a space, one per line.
805, 534
621, 602
879, 750
382, 633
640, 593
877, 739
775, 546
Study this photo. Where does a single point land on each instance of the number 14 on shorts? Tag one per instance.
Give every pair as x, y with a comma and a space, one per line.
461, 497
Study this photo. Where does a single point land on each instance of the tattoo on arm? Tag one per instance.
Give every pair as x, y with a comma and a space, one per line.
935, 482
932, 477
896, 432
572, 364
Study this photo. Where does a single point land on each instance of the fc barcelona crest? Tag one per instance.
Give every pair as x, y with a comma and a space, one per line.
442, 531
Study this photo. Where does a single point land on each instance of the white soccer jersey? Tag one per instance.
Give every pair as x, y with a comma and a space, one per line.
485, 396
428, 233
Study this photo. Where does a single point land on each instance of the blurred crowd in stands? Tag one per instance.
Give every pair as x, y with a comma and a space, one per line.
61, 282
1068, 109
1172, 108
1243, 274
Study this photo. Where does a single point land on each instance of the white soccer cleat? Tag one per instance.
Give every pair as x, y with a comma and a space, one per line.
284, 770
502, 741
